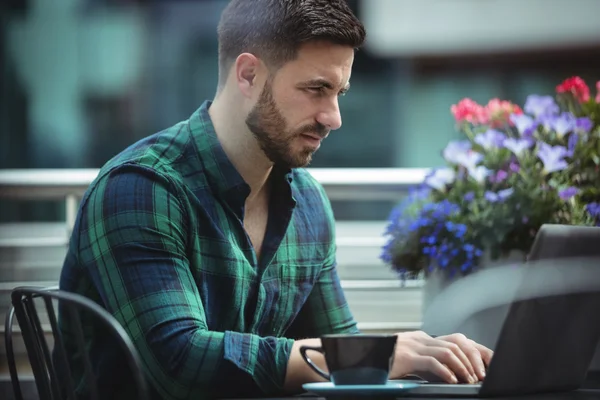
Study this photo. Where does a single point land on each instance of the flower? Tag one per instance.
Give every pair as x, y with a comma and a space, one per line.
567, 193
541, 106
575, 86
460, 152
513, 171
573, 141
517, 146
598, 92
468, 110
499, 196
455, 150
440, 178
593, 209
583, 125
498, 111
490, 139
564, 123
479, 173
552, 157
524, 123
499, 176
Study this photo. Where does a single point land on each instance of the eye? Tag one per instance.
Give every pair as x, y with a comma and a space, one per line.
316, 90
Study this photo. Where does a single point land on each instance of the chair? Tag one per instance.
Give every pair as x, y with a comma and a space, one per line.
51, 385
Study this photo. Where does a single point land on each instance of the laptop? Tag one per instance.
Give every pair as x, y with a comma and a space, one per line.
547, 342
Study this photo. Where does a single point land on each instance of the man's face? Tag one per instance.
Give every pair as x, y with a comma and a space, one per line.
298, 105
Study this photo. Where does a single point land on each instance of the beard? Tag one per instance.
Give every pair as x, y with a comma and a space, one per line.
269, 127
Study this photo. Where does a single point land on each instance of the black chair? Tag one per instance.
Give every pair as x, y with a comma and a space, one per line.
49, 384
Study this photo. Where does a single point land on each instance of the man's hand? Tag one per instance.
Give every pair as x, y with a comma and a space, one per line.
452, 358
479, 356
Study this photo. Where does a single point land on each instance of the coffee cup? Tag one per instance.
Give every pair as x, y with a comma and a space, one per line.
354, 359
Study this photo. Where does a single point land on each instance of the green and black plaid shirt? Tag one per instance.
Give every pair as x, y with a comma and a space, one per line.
159, 242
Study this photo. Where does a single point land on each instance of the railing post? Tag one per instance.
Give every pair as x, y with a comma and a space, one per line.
71, 205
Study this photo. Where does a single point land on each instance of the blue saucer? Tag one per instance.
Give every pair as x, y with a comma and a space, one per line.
389, 389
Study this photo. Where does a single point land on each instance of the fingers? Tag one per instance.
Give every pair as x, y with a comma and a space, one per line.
446, 356
478, 355
452, 358
486, 354
463, 358
427, 366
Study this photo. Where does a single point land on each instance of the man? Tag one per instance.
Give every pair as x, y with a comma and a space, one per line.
210, 244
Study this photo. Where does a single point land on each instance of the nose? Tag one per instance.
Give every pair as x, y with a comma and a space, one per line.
331, 118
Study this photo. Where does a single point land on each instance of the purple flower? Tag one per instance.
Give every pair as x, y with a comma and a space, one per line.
567, 193
517, 146
540, 105
583, 125
552, 157
501, 195
593, 209
439, 178
499, 176
469, 196
514, 167
491, 139
547, 121
524, 123
525, 220
469, 159
573, 140
455, 149
563, 124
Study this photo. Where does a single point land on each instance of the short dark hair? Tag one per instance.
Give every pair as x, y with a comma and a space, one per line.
274, 29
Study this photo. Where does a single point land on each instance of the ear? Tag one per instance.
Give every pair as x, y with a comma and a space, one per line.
246, 71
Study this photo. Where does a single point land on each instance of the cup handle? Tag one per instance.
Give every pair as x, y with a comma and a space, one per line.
303, 350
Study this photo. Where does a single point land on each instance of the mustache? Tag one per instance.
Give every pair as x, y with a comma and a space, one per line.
317, 128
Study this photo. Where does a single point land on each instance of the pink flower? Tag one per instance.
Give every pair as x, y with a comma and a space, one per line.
469, 111
577, 87
499, 111
598, 92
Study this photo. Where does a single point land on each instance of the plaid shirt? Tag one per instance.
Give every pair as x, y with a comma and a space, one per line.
159, 241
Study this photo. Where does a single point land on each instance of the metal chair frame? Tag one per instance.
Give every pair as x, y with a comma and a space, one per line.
47, 381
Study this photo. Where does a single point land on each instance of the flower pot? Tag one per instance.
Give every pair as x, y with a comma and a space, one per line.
438, 280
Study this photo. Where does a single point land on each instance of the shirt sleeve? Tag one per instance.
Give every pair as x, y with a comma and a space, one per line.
133, 241
326, 309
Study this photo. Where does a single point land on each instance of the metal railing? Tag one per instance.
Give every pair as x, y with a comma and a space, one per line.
339, 183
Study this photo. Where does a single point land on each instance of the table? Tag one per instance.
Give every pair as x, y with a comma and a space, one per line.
583, 394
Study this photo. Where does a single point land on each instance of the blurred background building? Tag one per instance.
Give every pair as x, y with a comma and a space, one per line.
82, 79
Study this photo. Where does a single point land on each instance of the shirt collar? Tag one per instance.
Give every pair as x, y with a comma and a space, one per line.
222, 176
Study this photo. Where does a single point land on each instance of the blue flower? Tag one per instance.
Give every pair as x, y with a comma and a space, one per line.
469, 196
593, 209
498, 197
